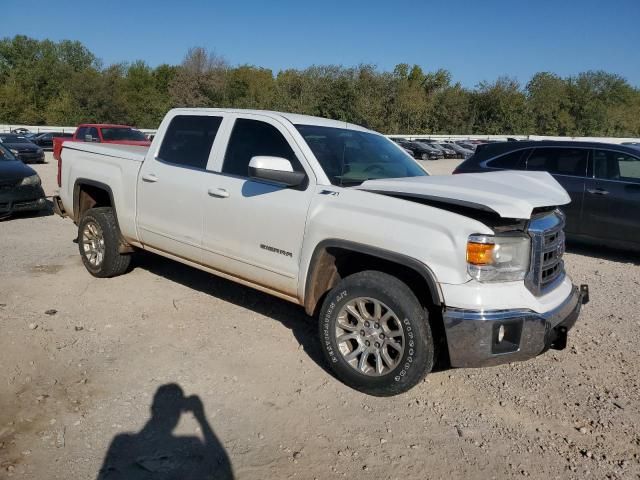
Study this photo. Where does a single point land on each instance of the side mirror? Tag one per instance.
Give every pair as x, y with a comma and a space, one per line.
88, 138
275, 170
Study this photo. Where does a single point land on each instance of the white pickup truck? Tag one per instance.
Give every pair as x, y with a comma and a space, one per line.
395, 263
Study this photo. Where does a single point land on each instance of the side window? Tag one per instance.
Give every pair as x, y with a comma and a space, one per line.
82, 131
188, 140
93, 131
610, 165
251, 138
560, 161
512, 161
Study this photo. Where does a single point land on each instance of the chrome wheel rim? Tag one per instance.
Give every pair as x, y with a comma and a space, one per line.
93, 243
370, 336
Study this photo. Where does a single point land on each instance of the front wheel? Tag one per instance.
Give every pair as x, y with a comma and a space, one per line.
99, 241
375, 334
424, 156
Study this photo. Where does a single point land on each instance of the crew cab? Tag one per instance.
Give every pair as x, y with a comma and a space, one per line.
393, 262
102, 133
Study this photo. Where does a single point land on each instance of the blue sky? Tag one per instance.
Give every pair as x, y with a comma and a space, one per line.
476, 40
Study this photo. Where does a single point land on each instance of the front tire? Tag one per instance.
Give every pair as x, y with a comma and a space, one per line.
375, 334
99, 241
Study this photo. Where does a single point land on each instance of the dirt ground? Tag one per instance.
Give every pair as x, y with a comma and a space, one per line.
82, 360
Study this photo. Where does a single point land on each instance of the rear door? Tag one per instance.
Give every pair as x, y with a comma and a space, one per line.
612, 197
171, 186
568, 165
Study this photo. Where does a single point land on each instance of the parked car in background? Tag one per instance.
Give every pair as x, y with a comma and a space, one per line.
421, 151
45, 140
460, 151
410, 152
103, 133
446, 151
602, 179
22, 148
449, 152
20, 188
20, 131
467, 145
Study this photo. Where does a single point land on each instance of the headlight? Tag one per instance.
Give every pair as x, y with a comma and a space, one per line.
32, 180
498, 258
14, 151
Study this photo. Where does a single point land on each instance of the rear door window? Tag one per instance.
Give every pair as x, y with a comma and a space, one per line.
511, 161
188, 140
612, 165
560, 161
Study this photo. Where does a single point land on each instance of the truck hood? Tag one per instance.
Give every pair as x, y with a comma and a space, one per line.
510, 194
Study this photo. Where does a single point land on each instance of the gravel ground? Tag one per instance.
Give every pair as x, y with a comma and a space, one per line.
83, 358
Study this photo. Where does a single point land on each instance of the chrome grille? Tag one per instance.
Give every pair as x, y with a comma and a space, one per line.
547, 248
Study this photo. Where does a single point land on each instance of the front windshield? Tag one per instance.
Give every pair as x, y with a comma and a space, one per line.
6, 155
13, 139
119, 134
349, 157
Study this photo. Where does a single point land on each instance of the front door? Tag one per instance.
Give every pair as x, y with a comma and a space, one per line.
612, 197
252, 229
171, 186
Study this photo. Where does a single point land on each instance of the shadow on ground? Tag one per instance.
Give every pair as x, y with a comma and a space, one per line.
303, 327
603, 252
156, 453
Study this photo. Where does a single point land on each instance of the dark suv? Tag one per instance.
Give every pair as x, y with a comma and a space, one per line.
602, 179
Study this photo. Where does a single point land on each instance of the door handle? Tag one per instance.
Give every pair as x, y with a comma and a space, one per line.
218, 192
149, 177
597, 191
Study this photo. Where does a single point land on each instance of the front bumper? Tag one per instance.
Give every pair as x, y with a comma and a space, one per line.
478, 338
31, 157
22, 199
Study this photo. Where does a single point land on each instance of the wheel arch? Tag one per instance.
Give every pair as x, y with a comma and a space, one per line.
89, 194
334, 259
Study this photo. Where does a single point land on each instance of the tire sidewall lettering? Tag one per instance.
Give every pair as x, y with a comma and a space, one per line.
326, 326
410, 353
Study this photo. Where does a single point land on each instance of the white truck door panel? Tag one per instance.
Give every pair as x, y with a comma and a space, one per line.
254, 230
171, 186
170, 208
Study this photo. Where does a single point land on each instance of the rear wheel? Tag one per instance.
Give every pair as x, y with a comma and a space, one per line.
99, 242
376, 334
424, 156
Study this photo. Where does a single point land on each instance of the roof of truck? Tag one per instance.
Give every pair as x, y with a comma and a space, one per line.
294, 118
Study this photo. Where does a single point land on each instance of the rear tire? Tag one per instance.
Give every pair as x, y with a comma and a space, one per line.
99, 242
375, 334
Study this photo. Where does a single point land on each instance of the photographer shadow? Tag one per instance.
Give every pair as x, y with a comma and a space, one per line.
155, 453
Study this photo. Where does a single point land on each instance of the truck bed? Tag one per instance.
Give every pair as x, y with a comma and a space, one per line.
125, 152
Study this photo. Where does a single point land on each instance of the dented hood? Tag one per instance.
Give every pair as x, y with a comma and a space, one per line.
510, 194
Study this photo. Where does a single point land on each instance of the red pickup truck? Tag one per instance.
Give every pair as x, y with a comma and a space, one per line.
102, 133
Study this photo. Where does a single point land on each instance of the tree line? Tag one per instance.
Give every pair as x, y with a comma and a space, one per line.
63, 83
